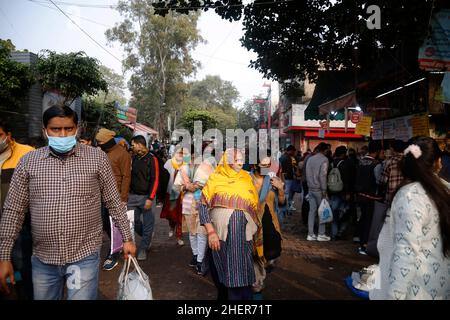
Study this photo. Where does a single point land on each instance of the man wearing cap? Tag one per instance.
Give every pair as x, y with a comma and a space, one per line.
120, 161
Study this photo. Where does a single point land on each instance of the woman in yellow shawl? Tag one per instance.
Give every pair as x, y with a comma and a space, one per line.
229, 213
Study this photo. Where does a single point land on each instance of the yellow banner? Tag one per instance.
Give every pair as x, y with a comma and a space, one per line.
420, 125
363, 126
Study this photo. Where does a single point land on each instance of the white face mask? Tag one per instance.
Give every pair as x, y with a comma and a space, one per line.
4, 145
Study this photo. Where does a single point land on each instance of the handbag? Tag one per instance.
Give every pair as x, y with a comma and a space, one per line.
133, 285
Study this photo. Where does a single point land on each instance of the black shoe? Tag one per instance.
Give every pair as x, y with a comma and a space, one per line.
193, 262
199, 269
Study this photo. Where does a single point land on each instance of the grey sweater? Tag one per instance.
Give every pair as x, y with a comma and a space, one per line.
317, 172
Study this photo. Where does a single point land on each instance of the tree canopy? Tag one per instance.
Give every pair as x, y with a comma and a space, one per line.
158, 53
212, 96
213, 91
294, 39
15, 77
116, 87
71, 74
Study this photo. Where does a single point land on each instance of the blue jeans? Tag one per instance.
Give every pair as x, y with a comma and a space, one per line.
289, 192
337, 204
145, 226
81, 278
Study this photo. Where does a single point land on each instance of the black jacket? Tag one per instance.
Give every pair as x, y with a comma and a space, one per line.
144, 176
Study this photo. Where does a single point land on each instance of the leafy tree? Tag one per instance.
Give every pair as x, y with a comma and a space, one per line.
116, 87
158, 54
96, 114
225, 120
72, 74
248, 116
206, 117
216, 96
294, 39
213, 91
15, 78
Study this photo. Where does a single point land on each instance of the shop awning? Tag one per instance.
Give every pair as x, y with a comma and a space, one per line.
139, 127
346, 100
330, 86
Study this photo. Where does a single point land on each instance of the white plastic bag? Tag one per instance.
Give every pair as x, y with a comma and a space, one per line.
325, 213
133, 285
367, 279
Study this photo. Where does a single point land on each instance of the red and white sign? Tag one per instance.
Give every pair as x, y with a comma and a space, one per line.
324, 124
356, 116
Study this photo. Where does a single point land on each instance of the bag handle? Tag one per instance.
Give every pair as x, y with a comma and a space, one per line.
133, 260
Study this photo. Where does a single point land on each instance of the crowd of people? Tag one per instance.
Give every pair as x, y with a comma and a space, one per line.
57, 200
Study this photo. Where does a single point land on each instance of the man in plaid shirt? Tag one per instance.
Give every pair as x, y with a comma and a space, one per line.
63, 186
392, 175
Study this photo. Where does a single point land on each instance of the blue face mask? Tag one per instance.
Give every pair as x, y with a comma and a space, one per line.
187, 159
62, 144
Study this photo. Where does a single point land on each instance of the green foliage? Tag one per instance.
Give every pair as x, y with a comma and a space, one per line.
15, 78
116, 87
207, 119
214, 96
96, 114
72, 74
248, 116
294, 39
225, 120
158, 55
213, 91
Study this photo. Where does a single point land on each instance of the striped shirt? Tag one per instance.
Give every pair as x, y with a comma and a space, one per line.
64, 197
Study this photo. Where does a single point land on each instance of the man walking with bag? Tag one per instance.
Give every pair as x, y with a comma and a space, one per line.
63, 186
316, 177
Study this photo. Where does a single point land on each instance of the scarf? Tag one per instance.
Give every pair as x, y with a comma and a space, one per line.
266, 187
227, 188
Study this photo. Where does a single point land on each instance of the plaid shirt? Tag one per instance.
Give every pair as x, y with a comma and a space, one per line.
392, 176
64, 197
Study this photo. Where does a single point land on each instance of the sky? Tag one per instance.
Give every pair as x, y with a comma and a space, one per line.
37, 24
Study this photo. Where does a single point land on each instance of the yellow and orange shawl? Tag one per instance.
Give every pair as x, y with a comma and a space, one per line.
227, 188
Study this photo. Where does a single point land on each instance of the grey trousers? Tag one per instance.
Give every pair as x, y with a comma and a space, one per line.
314, 202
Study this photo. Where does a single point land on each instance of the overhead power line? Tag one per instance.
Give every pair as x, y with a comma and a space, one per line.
87, 34
71, 14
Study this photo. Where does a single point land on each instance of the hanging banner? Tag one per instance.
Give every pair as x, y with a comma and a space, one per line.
363, 126
420, 125
403, 129
377, 133
389, 129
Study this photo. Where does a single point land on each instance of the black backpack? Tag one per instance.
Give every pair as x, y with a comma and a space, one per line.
164, 177
365, 181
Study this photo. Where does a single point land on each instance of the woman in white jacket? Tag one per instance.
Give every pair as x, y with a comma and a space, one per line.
415, 257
